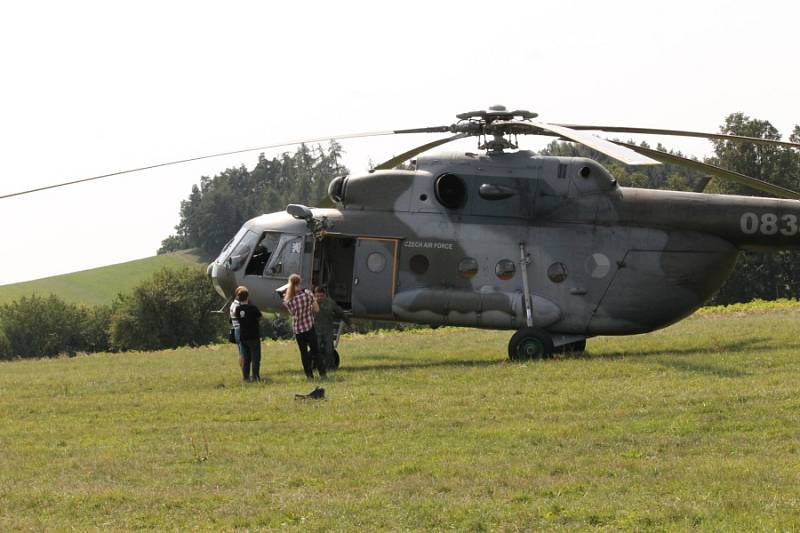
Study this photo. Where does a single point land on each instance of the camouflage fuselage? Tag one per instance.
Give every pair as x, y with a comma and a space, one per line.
603, 259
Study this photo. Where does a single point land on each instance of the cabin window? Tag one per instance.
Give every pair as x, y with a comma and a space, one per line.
505, 269
263, 253
468, 267
288, 257
419, 264
376, 262
557, 272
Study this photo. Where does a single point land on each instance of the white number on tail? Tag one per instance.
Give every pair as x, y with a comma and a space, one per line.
789, 225
769, 224
749, 222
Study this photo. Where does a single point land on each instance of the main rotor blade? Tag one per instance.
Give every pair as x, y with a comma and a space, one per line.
603, 146
198, 158
396, 160
594, 142
682, 133
747, 181
432, 129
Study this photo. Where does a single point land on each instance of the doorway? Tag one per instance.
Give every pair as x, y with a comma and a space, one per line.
334, 257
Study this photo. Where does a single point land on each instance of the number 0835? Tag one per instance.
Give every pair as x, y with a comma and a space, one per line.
769, 224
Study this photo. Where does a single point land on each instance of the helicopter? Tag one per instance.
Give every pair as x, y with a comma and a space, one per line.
552, 248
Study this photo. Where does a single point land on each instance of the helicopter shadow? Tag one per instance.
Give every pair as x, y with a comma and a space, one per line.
685, 363
725, 347
704, 368
394, 363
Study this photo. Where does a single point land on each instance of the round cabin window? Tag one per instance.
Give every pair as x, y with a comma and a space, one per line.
450, 191
505, 269
376, 262
468, 267
419, 264
557, 272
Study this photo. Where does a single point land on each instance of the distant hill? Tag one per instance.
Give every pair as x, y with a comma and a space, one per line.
101, 285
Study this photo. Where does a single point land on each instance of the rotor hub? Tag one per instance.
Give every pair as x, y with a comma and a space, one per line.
497, 122
497, 112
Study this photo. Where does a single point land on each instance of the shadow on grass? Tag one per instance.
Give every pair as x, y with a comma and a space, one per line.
687, 365
729, 347
701, 368
396, 363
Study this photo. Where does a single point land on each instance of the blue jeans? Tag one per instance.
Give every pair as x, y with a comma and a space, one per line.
249, 356
237, 334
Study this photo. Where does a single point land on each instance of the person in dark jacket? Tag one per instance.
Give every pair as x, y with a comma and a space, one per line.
249, 336
325, 324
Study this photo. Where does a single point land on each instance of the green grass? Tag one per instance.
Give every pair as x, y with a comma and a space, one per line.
753, 307
693, 427
100, 285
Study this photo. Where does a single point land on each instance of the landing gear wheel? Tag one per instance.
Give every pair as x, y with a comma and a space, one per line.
530, 343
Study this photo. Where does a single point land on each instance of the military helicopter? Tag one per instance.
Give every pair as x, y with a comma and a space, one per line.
551, 248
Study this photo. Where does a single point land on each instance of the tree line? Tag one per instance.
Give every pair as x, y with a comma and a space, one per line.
217, 208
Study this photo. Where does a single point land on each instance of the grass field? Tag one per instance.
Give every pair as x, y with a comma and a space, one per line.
693, 427
100, 285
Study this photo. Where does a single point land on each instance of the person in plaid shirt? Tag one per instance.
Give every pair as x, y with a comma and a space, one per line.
302, 306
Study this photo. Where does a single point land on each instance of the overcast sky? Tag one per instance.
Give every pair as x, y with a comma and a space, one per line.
94, 87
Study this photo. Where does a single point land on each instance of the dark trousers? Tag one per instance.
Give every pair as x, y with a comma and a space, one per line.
326, 348
309, 353
250, 352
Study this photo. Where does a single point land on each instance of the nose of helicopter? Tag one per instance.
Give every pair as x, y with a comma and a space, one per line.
221, 278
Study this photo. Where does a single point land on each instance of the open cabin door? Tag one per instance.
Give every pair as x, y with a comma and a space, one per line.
374, 277
334, 256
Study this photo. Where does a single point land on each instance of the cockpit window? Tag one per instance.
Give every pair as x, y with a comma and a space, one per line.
287, 259
263, 253
242, 251
228, 247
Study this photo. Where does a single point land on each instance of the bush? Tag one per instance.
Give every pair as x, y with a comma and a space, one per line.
276, 327
44, 327
95, 327
171, 309
5, 346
